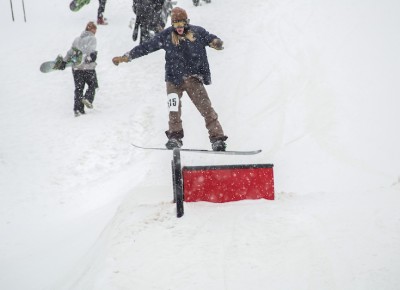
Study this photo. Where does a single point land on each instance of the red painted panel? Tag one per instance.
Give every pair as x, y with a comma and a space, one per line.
228, 183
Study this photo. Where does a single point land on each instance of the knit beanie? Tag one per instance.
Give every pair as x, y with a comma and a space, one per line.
178, 14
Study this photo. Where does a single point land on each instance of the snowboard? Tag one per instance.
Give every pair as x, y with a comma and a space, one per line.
76, 5
49, 66
53, 65
135, 30
229, 152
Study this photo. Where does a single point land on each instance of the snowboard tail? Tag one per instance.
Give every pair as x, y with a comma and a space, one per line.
76, 5
53, 65
49, 66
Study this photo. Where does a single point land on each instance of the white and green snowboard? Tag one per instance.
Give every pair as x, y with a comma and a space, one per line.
49, 66
76, 5
52, 65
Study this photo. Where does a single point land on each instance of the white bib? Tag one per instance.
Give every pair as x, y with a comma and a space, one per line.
173, 102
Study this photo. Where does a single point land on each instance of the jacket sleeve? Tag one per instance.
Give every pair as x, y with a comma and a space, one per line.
90, 51
205, 36
70, 53
92, 44
152, 45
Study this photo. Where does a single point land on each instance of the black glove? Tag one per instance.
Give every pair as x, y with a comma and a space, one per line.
62, 65
91, 58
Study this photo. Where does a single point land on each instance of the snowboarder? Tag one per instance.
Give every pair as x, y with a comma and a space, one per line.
186, 70
83, 70
148, 18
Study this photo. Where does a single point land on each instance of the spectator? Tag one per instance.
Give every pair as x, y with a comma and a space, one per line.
148, 18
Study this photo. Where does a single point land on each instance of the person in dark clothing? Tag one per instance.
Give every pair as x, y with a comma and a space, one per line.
148, 17
100, 17
186, 70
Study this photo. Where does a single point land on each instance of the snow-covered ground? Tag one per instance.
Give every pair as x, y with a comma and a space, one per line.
315, 84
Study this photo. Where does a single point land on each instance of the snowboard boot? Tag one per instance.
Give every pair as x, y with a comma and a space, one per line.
87, 103
102, 21
218, 145
79, 113
173, 143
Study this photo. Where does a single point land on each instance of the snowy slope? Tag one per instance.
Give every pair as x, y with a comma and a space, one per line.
315, 84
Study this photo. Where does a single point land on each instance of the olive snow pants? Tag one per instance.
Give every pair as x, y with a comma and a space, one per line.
198, 95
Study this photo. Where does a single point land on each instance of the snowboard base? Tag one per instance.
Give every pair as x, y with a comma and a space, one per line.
53, 65
229, 152
47, 66
76, 5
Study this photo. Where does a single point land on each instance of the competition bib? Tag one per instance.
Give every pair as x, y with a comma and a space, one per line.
173, 102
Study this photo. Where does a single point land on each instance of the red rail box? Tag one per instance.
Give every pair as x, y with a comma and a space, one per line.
226, 183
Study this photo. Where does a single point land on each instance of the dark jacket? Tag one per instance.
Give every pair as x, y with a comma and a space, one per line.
148, 13
183, 60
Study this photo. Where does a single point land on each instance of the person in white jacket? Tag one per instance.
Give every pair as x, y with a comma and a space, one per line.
83, 55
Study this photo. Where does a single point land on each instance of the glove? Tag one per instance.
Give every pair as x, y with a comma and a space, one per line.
62, 65
88, 59
91, 58
217, 44
118, 59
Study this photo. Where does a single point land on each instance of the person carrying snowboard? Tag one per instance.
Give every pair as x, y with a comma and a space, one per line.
83, 54
186, 70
